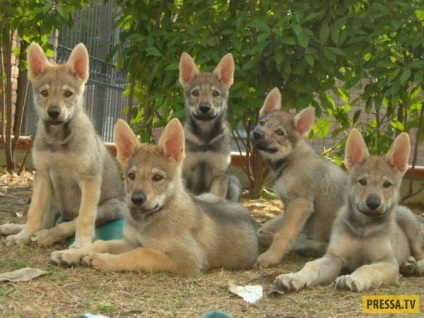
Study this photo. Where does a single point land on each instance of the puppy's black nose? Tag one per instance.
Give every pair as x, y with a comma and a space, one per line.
373, 202
53, 112
204, 108
138, 198
257, 135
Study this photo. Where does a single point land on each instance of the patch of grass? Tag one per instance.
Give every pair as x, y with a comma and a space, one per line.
106, 309
13, 265
4, 292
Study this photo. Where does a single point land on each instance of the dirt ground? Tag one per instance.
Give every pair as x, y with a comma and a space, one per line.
72, 292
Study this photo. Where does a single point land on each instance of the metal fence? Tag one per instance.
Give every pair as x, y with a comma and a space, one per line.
104, 98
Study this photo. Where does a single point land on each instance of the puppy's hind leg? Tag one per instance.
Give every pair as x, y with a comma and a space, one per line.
41, 197
310, 248
234, 189
219, 184
268, 229
110, 210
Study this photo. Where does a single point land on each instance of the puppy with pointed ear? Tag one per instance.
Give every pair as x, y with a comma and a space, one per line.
127, 143
77, 63
357, 152
172, 141
224, 71
302, 179
272, 102
398, 154
302, 121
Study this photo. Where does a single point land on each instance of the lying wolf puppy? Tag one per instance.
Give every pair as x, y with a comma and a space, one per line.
168, 229
208, 138
311, 187
75, 174
372, 236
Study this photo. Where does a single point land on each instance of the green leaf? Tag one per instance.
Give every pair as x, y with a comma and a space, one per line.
406, 74
303, 38
153, 51
309, 59
324, 33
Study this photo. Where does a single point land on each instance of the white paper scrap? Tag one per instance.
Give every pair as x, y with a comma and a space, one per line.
249, 293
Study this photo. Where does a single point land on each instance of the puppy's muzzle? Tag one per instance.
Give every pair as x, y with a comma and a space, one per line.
257, 135
53, 112
138, 198
204, 108
373, 202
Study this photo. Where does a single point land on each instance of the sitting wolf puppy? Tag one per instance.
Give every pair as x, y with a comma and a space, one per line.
372, 236
167, 228
75, 174
208, 144
311, 187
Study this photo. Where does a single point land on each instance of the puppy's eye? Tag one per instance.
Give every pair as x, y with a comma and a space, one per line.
362, 182
157, 177
387, 184
195, 93
44, 93
131, 175
68, 94
262, 122
215, 94
279, 132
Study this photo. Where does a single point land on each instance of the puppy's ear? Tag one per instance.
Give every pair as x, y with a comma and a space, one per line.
78, 62
225, 70
188, 69
37, 61
126, 142
272, 102
304, 120
356, 150
398, 154
172, 140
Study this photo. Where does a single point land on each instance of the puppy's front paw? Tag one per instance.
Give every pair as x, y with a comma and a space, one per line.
17, 240
81, 242
97, 260
265, 237
349, 283
409, 267
66, 257
290, 282
267, 259
10, 228
44, 238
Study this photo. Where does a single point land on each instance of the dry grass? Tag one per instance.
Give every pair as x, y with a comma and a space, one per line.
71, 292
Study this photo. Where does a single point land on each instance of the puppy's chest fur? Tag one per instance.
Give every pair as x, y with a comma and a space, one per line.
208, 142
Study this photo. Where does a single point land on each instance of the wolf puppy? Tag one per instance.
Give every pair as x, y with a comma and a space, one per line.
372, 236
208, 144
310, 186
74, 172
167, 228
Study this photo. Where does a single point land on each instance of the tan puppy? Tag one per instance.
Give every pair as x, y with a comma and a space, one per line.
372, 236
311, 187
208, 137
167, 228
75, 174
